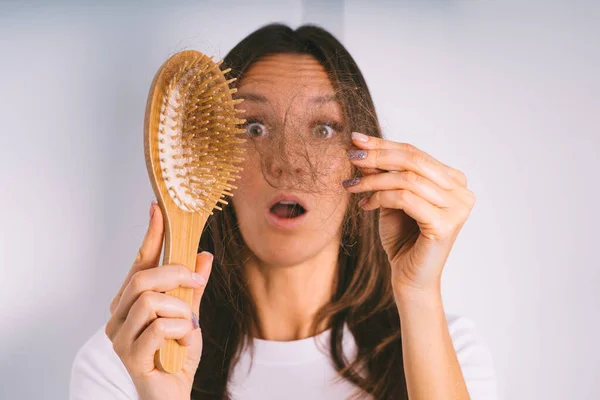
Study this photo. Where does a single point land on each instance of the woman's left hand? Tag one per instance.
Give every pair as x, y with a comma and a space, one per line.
424, 204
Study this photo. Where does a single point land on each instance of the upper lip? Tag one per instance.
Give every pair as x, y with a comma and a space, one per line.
287, 197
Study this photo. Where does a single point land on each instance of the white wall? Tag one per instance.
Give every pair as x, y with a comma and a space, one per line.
507, 91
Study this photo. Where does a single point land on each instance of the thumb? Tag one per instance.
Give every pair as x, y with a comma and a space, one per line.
148, 255
149, 252
204, 262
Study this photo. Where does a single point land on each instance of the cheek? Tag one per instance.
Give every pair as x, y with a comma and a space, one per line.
337, 167
334, 201
251, 174
249, 186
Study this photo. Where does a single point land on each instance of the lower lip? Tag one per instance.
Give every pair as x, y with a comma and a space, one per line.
285, 223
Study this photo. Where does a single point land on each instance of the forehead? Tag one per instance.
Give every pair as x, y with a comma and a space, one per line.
283, 77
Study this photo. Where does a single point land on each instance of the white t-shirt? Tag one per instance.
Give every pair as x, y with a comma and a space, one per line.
293, 370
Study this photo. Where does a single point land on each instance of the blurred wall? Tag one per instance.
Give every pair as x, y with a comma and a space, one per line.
507, 91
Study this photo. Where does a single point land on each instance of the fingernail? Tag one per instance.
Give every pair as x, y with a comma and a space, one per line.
198, 278
151, 212
210, 254
351, 182
360, 137
195, 321
363, 202
357, 154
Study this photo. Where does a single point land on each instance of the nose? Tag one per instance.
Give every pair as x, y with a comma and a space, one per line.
286, 160
282, 165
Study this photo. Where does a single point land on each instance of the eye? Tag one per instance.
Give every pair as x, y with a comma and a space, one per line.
256, 129
323, 131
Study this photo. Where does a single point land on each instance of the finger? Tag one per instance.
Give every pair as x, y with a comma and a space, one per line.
189, 338
148, 254
204, 262
397, 160
369, 171
414, 206
371, 142
154, 337
407, 180
148, 307
160, 279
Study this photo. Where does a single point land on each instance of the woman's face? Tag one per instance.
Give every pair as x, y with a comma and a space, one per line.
290, 202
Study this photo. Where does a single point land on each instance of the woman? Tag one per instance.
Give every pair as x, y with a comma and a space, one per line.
333, 238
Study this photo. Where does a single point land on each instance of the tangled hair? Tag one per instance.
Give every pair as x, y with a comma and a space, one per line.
362, 298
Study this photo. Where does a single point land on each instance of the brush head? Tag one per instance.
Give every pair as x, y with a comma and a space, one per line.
192, 133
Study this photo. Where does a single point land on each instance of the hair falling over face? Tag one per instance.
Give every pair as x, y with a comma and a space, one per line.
311, 152
362, 296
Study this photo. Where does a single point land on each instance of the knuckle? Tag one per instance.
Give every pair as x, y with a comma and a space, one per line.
183, 273
146, 300
410, 176
116, 345
137, 281
389, 198
407, 147
376, 154
472, 198
365, 183
460, 176
415, 158
108, 329
377, 197
113, 304
158, 327
403, 196
397, 202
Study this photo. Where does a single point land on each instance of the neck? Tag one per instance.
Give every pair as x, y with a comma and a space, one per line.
287, 298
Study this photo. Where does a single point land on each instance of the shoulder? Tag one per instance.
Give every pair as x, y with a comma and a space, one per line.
474, 357
98, 373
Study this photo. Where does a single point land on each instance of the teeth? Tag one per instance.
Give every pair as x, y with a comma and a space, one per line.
288, 203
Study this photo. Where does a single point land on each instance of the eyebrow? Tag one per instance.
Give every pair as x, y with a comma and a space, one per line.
258, 98
254, 97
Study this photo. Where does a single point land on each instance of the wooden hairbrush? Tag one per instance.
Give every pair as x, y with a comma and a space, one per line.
191, 145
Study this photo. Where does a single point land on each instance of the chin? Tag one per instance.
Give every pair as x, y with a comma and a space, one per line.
284, 251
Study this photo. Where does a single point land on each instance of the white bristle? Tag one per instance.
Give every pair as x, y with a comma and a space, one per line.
168, 145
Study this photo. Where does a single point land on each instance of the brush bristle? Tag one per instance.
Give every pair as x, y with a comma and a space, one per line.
199, 136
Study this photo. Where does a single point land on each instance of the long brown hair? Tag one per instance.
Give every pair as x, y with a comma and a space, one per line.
362, 298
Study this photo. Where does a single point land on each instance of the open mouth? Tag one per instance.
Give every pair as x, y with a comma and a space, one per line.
287, 212
287, 209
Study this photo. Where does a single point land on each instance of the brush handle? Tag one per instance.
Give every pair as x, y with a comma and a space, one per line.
182, 236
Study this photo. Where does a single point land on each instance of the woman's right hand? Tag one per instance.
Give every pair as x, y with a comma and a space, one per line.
135, 329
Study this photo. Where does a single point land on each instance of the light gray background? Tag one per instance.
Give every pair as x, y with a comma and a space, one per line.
507, 91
